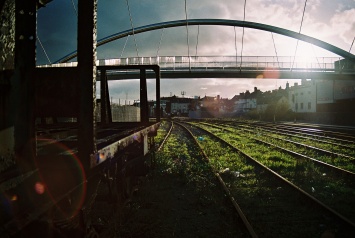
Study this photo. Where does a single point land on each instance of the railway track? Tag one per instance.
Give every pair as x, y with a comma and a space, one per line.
324, 216
343, 146
328, 183
345, 136
198, 154
340, 155
340, 162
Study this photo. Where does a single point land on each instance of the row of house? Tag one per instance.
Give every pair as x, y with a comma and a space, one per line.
316, 100
309, 98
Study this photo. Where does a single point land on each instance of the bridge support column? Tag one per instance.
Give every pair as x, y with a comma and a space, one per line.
143, 96
105, 101
157, 90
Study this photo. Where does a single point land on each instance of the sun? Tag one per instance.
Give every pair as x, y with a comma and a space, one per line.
305, 56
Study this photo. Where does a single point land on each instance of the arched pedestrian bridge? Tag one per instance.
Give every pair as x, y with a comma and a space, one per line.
290, 67
227, 67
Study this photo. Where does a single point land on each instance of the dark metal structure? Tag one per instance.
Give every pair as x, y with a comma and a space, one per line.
56, 154
220, 22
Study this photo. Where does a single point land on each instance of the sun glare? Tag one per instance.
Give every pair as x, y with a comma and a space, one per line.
305, 56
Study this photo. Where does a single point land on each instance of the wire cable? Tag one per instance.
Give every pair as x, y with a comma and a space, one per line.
76, 12
161, 37
314, 52
187, 36
235, 46
277, 58
351, 46
130, 18
124, 46
241, 51
44, 50
198, 33
304, 10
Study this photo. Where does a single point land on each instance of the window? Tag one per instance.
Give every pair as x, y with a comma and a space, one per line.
301, 105
309, 106
296, 106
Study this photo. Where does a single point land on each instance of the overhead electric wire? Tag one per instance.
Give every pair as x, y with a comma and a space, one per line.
304, 10
187, 36
241, 51
44, 50
130, 18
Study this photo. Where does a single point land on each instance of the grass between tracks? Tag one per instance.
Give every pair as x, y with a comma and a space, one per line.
179, 198
336, 192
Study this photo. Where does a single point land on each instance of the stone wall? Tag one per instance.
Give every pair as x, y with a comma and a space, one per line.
7, 35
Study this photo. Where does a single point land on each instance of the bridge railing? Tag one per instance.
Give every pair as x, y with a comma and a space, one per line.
283, 63
231, 62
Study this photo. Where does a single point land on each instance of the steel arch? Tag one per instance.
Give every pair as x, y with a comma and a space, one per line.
220, 22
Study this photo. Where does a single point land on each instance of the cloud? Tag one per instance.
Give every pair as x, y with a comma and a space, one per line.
330, 21
343, 25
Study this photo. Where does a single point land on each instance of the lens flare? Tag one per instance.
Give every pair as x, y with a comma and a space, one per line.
271, 73
39, 188
61, 175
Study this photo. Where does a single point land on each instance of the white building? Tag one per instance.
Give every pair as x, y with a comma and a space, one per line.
180, 107
303, 98
244, 104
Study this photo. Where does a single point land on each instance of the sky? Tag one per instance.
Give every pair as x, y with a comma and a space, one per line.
327, 20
